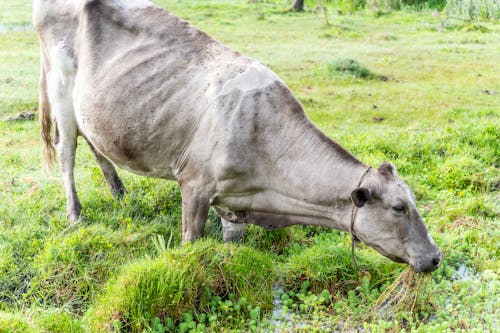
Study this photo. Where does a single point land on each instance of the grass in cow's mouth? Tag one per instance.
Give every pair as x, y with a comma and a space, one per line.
405, 294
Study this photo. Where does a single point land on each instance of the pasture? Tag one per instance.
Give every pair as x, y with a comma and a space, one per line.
402, 86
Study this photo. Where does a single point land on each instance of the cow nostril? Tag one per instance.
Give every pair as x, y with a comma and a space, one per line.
436, 261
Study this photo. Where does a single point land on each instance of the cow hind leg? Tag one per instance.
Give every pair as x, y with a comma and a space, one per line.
60, 83
66, 151
232, 232
109, 172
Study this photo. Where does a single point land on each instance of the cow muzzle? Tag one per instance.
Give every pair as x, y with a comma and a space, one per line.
428, 264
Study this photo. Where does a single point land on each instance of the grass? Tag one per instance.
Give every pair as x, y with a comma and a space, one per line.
404, 294
437, 117
350, 68
182, 280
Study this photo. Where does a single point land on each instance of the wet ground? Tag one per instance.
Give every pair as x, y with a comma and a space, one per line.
7, 28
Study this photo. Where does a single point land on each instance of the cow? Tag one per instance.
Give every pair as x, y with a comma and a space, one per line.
154, 95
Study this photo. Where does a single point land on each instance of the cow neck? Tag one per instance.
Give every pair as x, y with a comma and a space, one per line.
321, 173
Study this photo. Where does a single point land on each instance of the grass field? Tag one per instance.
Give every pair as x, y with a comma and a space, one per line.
421, 94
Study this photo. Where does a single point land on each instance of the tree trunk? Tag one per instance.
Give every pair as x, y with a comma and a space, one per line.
298, 6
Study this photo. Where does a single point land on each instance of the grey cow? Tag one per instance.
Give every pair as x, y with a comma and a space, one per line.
153, 95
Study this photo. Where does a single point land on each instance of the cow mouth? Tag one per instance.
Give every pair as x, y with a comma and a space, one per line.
394, 258
383, 252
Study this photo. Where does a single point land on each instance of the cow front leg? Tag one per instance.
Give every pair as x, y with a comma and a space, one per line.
109, 172
195, 205
232, 232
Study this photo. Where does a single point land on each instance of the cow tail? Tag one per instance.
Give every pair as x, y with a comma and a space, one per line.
49, 152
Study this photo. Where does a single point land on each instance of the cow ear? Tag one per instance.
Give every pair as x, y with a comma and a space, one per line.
388, 170
360, 196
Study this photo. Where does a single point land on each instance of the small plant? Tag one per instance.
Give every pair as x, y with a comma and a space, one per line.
351, 68
159, 243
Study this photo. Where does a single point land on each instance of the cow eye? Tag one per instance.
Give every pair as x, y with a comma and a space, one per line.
398, 209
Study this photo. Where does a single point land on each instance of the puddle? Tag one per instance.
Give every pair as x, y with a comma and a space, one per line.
283, 321
463, 273
279, 318
8, 28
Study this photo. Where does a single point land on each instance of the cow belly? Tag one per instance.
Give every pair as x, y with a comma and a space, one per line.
139, 149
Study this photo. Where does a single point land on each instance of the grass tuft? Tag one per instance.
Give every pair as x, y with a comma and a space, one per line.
346, 67
72, 267
327, 265
180, 281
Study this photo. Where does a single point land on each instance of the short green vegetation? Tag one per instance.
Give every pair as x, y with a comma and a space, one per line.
418, 86
350, 68
193, 279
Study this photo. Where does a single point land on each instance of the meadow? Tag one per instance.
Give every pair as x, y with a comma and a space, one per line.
411, 87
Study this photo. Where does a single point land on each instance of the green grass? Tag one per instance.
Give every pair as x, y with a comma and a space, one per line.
436, 115
351, 68
183, 280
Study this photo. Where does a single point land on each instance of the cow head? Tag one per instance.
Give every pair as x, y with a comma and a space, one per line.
388, 221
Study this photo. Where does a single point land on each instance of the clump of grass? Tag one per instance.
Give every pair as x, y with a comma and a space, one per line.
180, 281
403, 295
273, 241
351, 68
328, 265
73, 266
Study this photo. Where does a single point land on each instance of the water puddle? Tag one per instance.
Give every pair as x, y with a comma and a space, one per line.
283, 320
280, 319
463, 273
9, 28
